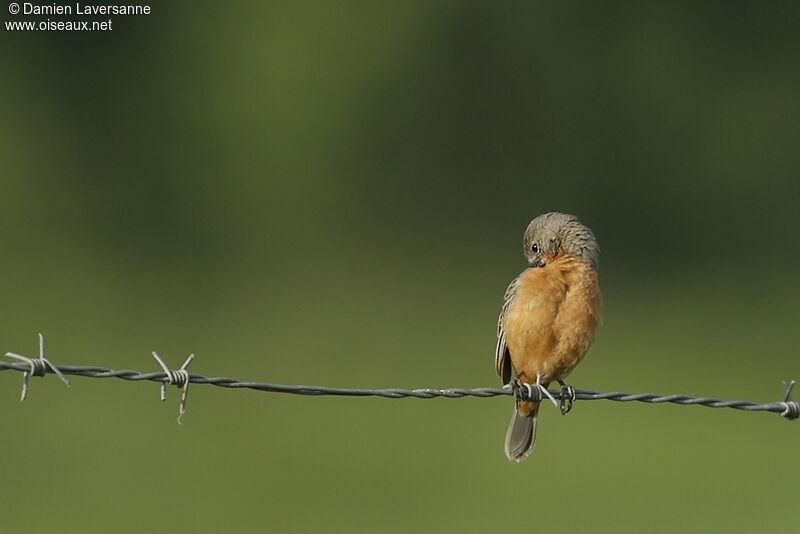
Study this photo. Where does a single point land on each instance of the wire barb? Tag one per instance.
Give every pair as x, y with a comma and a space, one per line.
792, 409
38, 367
178, 377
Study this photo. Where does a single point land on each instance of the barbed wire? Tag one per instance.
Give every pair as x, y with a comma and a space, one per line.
181, 378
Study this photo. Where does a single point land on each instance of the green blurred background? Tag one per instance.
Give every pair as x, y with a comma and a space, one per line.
335, 193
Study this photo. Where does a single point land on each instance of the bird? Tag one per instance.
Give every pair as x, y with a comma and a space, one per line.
548, 320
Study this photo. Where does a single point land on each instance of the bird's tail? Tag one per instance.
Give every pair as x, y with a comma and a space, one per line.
521, 433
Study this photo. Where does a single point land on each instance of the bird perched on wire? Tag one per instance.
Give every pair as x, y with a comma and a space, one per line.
549, 317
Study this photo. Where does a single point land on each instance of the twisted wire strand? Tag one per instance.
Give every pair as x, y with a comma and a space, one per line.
787, 408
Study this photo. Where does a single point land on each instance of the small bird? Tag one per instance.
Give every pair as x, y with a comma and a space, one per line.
548, 321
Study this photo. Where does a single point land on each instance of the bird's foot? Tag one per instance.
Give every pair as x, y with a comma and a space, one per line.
567, 398
517, 390
524, 391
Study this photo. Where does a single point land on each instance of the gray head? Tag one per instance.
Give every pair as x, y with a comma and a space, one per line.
555, 233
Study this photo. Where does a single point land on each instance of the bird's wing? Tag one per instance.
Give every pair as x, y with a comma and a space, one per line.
502, 360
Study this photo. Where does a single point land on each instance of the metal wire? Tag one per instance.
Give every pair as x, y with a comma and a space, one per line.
786, 408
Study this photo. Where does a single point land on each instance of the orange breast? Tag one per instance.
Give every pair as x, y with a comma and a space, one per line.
552, 320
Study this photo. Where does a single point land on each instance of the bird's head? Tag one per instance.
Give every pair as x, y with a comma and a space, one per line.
554, 234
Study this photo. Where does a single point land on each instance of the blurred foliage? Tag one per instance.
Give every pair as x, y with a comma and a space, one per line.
336, 193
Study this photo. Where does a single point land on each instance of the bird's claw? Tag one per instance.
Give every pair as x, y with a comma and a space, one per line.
567, 398
517, 390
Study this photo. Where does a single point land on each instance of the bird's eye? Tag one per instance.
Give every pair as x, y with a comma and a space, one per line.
535, 248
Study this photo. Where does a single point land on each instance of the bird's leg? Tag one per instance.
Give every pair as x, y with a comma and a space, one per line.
567, 397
